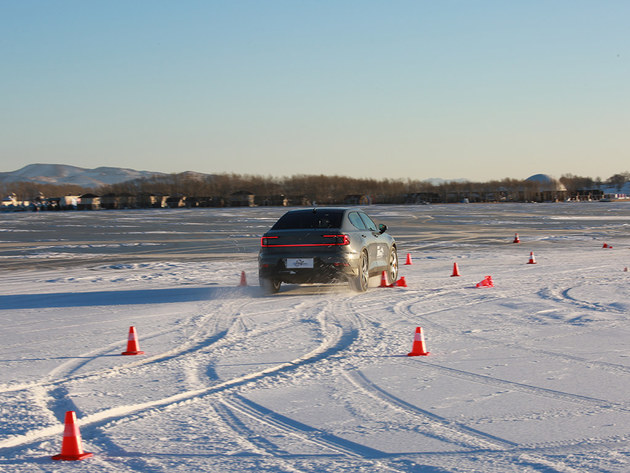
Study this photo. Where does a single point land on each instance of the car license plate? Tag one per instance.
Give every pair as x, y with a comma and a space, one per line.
296, 263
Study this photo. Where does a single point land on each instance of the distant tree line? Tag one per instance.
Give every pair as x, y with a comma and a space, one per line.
334, 189
314, 188
322, 189
31, 190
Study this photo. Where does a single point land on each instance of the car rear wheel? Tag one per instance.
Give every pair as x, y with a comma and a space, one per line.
270, 286
360, 282
392, 269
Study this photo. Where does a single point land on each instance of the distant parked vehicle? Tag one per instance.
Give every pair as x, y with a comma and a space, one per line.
325, 245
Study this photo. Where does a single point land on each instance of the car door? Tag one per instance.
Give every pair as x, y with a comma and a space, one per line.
366, 234
377, 242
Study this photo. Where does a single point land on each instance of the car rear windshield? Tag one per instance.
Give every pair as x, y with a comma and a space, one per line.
309, 219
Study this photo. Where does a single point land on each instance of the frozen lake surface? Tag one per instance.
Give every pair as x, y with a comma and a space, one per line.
71, 238
531, 375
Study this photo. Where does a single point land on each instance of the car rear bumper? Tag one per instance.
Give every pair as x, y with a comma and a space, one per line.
325, 269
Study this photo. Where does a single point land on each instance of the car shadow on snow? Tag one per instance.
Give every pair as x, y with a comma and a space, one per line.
126, 297
157, 296
310, 289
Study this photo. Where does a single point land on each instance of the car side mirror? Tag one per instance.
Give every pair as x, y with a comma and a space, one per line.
382, 228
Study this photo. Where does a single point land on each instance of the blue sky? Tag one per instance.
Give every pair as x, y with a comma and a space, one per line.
381, 89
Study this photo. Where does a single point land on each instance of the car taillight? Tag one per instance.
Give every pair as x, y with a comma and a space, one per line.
267, 240
339, 239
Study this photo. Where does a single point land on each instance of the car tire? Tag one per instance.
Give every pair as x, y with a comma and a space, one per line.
360, 282
269, 286
392, 265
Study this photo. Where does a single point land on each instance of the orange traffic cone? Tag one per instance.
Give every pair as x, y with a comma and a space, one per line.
71, 448
132, 343
401, 282
532, 260
384, 280
487, 282
418, 348
243, 279
455, 270
516, 239
408, 259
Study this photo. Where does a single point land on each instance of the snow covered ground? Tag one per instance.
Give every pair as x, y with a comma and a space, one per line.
531, 375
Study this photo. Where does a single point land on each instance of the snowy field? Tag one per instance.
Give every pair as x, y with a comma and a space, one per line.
532, 375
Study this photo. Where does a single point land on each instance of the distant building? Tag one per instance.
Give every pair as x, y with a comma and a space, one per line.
89, 202
11, 202
299, 200
242, 199
272, 200
544, 188
357, 199
616, 193
118, 201
176, 201
422, 198
69, 202
145, 200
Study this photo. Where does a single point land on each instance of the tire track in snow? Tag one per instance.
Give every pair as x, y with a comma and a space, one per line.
404, 309
202, 338
444, 429
434, 426
449, 431
55, 399
240, 331
562, 296
304, 432
341, 319
64, 373
528, 388
335, 340
338, 446
244, 434
256, 444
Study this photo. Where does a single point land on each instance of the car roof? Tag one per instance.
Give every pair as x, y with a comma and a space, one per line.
314, 217
325, 209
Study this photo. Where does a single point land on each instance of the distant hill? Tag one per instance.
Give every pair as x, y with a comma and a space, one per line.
62, 174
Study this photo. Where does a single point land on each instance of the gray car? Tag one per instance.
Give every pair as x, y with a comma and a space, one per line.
326, 245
